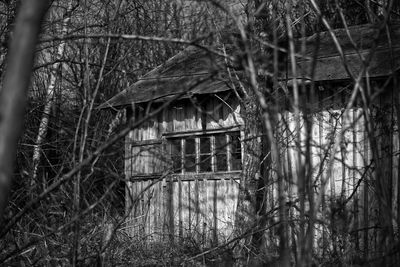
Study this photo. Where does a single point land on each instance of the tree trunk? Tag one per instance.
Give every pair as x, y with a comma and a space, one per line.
44, 122
13, 94
251, 210
246, 214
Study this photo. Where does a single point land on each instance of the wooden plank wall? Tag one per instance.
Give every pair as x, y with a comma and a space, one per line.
199, 207
202, 207
350, 207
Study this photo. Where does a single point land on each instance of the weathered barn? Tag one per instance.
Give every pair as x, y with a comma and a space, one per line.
184, 163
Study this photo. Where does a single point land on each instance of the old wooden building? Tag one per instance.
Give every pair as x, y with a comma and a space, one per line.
184, 162
189, 154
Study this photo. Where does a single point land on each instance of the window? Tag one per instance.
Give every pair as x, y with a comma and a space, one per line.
218, 152
190, 155
221, 152
205, 154
235, 151
176, 153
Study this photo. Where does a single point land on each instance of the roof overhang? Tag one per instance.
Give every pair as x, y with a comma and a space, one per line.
367, 51
192, 71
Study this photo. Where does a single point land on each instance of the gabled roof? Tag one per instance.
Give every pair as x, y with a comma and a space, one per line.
194, 65
178, 74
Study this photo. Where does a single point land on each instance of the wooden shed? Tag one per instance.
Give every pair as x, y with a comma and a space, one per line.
189, 154
184, 164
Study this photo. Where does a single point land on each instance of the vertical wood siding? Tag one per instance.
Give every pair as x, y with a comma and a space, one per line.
350, 206
198, 207
202, 207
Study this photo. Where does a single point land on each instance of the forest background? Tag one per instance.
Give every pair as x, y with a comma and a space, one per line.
66, 204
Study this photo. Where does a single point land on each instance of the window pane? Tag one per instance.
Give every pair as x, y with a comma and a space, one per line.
177, 164
220, 143
236, 161
175, 146
205, 163
205, 145
221, 150
176, 155
222, 162
190, 163
190, 147
235, 143
205, 153
236, 152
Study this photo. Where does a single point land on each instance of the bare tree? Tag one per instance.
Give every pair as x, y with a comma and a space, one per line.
299, 197
14, 91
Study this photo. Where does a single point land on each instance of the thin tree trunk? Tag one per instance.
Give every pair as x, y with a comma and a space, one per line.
75, 250
13, 94
246, 209
91, 96
246, 213
44, 122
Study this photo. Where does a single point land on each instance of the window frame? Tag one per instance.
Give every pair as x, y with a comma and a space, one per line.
197, 135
